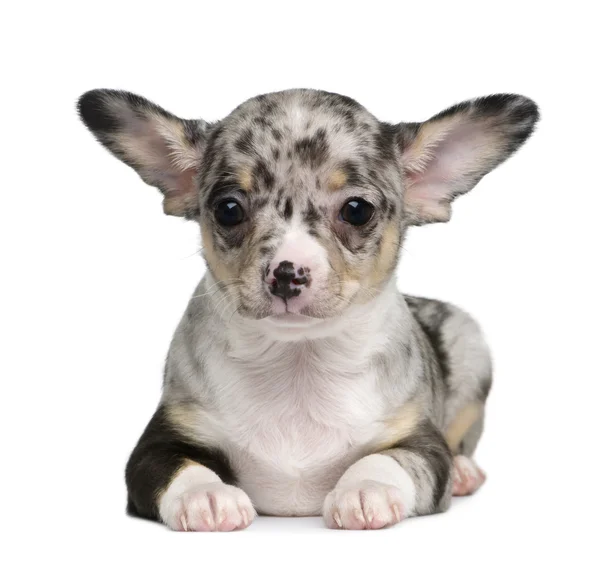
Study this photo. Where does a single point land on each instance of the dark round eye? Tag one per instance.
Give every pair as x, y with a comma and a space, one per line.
229, 213
356, 212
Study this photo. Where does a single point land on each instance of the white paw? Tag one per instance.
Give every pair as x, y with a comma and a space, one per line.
467, 476
365, 505
209, 507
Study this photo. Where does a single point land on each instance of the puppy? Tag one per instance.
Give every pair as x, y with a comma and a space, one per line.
299, 380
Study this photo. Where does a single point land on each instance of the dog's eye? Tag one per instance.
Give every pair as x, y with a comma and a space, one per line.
356, 212
229, 213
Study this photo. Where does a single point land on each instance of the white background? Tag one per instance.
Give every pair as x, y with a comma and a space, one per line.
94, 277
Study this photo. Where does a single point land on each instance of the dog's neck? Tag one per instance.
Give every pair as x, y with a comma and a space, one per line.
360, 326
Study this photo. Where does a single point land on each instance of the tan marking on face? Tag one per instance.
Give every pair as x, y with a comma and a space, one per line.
348, 269
219, 270
388, 253
334, 255
401, 425
337, 180
346, 274
461, 424
352, 273
244, 177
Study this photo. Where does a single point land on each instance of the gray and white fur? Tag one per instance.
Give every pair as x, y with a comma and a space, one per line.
300, 381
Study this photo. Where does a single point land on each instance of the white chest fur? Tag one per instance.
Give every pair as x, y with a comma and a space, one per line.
294, 416
291, 409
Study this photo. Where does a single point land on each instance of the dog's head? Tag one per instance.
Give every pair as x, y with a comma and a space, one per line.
303, 196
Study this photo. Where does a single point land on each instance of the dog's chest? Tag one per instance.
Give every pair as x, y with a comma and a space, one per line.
295, 420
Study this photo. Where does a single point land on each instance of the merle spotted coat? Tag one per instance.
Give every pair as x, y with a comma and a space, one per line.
300, 381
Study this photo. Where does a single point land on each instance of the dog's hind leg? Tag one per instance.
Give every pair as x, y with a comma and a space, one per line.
463, 435
467, 372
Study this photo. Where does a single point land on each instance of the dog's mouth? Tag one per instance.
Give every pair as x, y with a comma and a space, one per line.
291, 326
292, 319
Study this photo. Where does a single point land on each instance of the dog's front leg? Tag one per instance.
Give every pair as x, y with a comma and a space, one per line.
413, 477
186, 485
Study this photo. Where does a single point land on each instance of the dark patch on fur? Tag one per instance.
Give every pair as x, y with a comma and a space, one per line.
314, 150
211, 152
266, 237
234, 237
405, 134
268, 106
260, 202
265, 251
244, 143
345, 238
95, 113
278, 198
263, 174
486, 386
158, 455
429, 443
431, 319
408, 350
288, 209
310, 215
263, 122
392, 210
353, 176
349, 118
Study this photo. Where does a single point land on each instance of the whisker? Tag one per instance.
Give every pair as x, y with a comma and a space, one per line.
236, 310
223, 300
225, 284
190, 256
214, 292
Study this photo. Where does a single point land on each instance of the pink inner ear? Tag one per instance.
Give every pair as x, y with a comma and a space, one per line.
181, 197
159, 149
176, 183
447, 167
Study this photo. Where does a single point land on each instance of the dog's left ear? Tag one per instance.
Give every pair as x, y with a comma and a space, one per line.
448, 154
166, 151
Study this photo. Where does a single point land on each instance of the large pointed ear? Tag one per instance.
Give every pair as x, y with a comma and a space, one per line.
165, 151
448, 154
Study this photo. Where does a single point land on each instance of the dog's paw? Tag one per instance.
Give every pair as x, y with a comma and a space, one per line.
467, 476
366, 505
210, 507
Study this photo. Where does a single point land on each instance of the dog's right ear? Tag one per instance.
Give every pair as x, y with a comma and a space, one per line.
164, 150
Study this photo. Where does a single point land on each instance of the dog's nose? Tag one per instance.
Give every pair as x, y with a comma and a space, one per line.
287, 281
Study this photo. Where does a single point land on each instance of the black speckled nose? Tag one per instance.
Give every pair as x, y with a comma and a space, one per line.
287, 283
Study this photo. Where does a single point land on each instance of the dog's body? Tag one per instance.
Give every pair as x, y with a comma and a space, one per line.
300, 381
293, 415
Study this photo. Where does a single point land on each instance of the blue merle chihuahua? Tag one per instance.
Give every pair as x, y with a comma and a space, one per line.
299, 380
